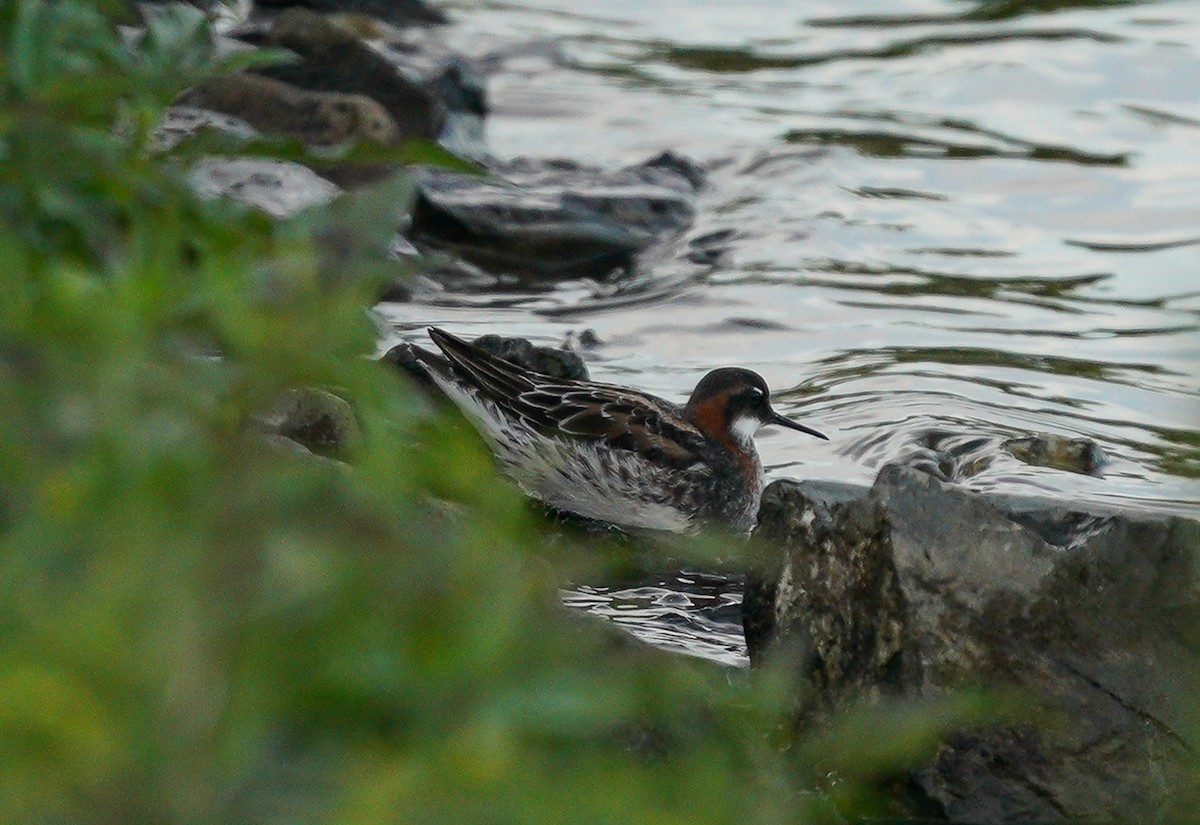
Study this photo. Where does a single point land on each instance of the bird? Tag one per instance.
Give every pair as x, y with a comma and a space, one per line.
614, 454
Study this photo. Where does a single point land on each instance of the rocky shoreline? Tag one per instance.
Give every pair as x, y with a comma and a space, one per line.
361, 80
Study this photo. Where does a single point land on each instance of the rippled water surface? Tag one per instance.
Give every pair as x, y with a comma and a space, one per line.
949, 223
689, 612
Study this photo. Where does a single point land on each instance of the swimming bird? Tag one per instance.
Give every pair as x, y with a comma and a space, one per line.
615, 454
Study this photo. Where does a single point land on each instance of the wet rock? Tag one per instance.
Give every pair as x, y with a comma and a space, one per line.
317, 118
553, 361
572, 244
584, 339
1075, 455
542, 222
396, 12
279, 188
460, 88
672, 169
920, 587
317, 420
398, 291
403, 359
655, 196
461, 91
333, 59
838, 597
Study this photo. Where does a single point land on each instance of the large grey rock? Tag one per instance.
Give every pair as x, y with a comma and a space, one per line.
920, 587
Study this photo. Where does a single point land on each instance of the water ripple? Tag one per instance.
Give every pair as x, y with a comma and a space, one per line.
689, 612
747, 59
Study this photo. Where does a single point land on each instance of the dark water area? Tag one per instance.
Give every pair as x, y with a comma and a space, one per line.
935, 226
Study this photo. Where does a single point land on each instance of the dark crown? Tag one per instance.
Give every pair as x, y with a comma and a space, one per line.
728, 381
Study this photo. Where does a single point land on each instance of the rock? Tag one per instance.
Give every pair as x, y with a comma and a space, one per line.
333, 59
552, 361
398, 291
560, 363
315, 419
431, 91
461, 91
530, 248
396, 12
181, 122
460, 88
549, 222
920, 587
317, 118
1075, 455
279, 188
584, 339
673, 170
403, 359
655, 196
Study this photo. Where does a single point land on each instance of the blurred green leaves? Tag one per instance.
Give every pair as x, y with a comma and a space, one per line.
200, 627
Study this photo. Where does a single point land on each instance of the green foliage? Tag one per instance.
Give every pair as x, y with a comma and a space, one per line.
198, 627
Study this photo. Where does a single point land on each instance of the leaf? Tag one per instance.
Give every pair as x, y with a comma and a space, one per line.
27, 45
252, 59
177, 38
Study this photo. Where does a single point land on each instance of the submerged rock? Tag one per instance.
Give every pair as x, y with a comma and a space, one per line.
1075, 455
920, 587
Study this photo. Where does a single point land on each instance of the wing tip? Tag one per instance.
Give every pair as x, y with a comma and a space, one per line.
440, 336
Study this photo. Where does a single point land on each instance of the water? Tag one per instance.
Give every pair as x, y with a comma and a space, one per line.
950, 223
690, 612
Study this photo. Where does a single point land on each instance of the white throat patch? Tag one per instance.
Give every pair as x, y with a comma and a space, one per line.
744, 427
